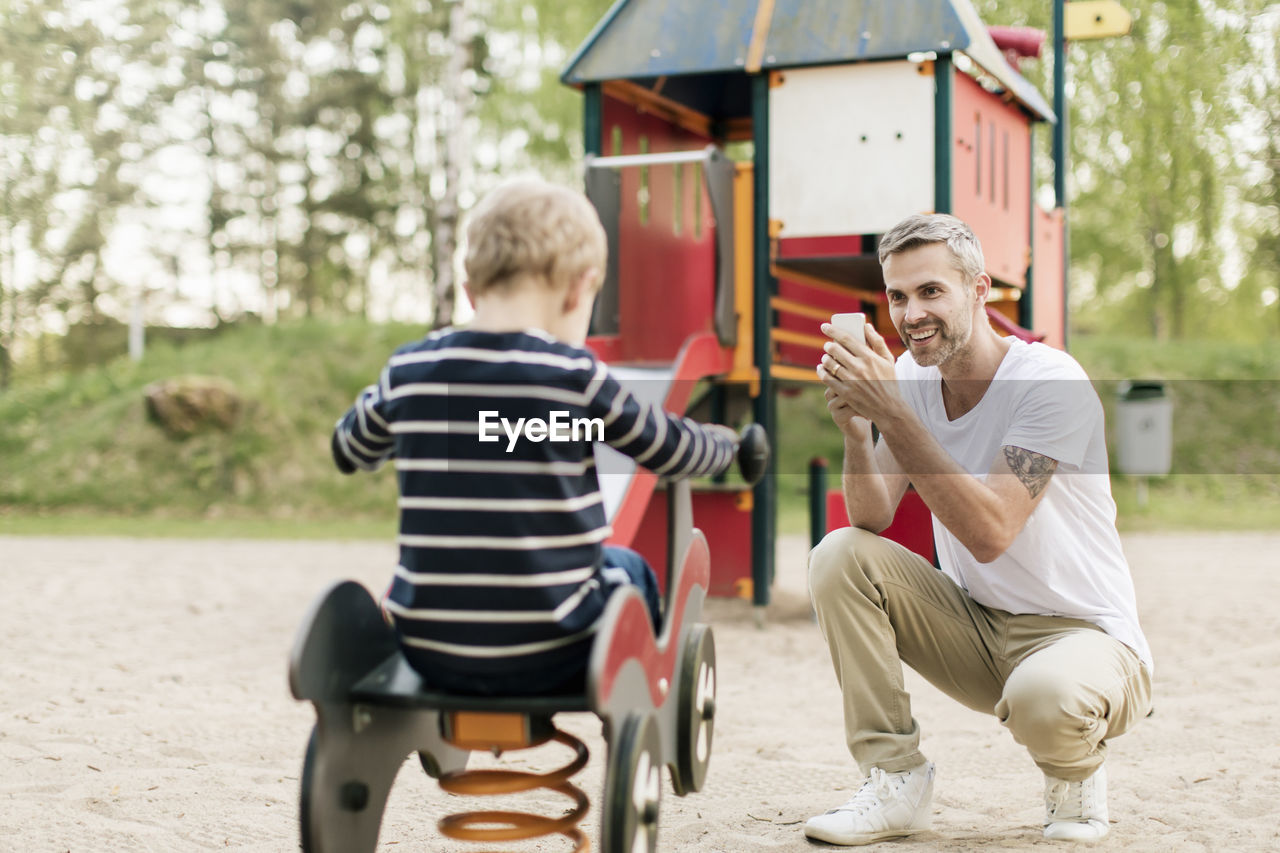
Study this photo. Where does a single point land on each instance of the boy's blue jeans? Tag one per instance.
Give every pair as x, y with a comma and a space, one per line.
622, 565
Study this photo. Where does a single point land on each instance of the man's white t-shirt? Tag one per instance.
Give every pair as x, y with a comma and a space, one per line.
1067, 560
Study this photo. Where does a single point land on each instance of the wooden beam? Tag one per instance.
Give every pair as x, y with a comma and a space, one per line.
792, 373
759, 35
826, 284
737, 129
791, 306
787, 336
649, 101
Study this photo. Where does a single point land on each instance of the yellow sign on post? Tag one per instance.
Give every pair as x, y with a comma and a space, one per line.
1096, 19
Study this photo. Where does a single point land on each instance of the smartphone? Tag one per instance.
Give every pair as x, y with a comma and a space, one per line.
852, 323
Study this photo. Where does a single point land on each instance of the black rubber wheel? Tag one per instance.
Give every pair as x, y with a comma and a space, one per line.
632, 788
695, 711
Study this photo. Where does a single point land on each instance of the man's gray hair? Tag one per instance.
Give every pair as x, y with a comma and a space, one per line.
923, 229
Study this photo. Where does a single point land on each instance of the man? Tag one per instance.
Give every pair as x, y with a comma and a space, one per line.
1032, 617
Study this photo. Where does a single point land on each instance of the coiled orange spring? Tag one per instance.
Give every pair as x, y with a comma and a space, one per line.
517, 826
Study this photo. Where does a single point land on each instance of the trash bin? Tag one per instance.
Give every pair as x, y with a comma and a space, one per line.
1144, 428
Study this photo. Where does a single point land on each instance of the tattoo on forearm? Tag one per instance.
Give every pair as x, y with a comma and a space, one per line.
1033, 469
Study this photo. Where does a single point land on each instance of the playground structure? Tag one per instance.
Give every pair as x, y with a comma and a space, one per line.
744, 156
655, 695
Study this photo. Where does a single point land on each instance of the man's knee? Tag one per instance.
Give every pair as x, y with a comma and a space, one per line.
833, 560
1048, 714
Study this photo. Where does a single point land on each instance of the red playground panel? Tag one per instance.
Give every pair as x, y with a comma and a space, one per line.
724, 517
666, 239
828, 301
912, 527
991, 177
1046, 274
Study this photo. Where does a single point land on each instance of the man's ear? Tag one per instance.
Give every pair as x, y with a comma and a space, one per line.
982, 287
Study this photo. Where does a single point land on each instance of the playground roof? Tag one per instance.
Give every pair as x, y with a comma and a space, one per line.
649, 39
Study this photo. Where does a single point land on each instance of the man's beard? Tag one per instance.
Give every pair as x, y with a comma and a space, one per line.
946, 341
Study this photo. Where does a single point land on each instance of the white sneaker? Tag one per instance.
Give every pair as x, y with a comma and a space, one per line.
888, 805
1076, 811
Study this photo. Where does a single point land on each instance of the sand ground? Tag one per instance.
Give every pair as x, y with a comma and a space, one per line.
143, 707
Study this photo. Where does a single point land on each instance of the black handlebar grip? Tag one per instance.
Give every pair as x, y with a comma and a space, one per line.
753, 453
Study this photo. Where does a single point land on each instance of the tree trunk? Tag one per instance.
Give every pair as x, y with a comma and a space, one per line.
453, 148
8, 307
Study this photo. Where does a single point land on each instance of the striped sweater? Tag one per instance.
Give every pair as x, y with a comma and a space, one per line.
501, 539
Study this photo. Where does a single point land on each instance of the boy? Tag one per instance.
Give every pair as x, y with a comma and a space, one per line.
503, 573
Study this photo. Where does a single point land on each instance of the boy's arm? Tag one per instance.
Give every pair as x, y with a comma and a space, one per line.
362, 437
340, 458
669, 445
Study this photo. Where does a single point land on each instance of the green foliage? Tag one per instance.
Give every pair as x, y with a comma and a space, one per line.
1226, 466
83, 441
1109, 358
82, 91
1260, 231
250, 156
1154, 256
525, 101
1172, 191
304, 190
1226, 401
325, 142
77, 445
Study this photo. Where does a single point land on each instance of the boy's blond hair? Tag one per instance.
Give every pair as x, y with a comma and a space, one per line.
532, 228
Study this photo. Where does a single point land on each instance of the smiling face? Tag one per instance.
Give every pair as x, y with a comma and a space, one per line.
931, 303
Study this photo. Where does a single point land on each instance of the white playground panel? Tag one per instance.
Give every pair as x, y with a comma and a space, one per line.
836, 168
616, 470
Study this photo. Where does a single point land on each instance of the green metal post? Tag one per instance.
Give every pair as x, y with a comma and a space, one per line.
592, 118
764, 509
1026, 310
1060, 141
817, 500
942, 110
1059, 101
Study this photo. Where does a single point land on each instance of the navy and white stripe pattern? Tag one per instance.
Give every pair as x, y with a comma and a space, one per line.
500, 549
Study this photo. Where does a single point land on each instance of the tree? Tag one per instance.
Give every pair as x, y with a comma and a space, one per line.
327, 144
1260, 220
528, 118
1155, 164
83, 87
1156, 170
481, 85
299, 173
454, 154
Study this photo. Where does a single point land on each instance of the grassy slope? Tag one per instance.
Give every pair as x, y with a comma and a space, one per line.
1226, 446
1226, 400
77, 453
82, 443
